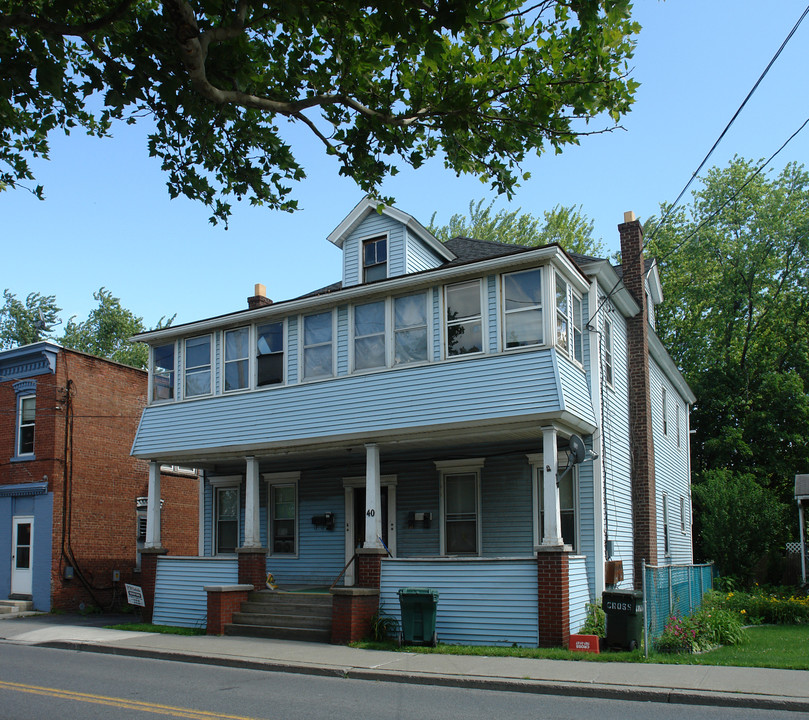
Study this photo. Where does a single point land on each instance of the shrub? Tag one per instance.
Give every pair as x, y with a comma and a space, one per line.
705, 629
383, 627
596, 622
778, 605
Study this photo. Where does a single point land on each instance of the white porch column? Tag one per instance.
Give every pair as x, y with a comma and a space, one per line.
552, 534
153, 508
252, 524
373, 496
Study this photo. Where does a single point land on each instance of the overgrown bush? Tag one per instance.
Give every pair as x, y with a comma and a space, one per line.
596, 622
777, 605
705, 629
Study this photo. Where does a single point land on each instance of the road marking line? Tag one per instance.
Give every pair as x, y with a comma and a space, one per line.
119, 702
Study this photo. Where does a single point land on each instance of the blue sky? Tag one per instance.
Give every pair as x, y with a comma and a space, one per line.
108, 221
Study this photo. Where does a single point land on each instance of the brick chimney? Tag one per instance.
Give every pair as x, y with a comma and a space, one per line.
259, 299
644, 509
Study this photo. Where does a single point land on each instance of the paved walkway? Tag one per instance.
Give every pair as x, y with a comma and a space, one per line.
687, 684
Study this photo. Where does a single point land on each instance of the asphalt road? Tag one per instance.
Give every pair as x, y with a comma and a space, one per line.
43, 683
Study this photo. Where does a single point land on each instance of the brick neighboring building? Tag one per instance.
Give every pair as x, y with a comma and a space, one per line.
72, 498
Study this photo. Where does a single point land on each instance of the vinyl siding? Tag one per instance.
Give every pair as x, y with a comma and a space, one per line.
179, 596
418, 256
342, 340
506, 507
481, 602
671, 468
579, 592
516, 386
491, 320
575, 389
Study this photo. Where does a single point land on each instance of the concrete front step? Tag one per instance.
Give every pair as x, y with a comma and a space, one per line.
279, 633
279, 620
302, 609
15, 606
288, 598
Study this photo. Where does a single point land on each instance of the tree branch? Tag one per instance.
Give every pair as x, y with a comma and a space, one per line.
24, 20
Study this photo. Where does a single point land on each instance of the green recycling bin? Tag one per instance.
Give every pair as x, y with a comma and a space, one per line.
418, 616
624, 615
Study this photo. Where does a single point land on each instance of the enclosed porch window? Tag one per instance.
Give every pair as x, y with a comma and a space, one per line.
460, 507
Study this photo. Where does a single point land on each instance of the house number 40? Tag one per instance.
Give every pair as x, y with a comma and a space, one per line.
370, 513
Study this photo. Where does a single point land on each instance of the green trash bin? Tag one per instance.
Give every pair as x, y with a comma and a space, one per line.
624, 615
418, 607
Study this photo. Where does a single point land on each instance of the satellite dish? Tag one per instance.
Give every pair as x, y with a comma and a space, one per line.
576, 450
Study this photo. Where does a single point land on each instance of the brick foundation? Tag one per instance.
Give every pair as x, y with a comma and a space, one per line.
352, 610
252, 566
553, 597
223, 601
148, 575
369, 564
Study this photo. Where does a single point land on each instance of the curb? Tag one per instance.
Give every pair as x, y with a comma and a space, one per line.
497, 684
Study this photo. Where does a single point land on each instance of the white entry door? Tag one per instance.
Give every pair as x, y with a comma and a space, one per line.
22, 555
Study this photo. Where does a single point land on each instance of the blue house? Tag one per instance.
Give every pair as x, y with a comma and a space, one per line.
419, 424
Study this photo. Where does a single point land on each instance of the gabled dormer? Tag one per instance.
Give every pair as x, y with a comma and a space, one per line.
380, 242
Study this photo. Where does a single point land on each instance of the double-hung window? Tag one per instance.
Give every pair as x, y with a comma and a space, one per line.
270, 354
283, 513
522, 305
569, 322
464, 321
226, 519
237, 362
460, 502
317, 346
198, 366
608, 356
26, 422
375, 259
163, 372
410, 329
369, 336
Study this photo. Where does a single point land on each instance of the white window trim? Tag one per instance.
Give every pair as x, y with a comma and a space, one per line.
211, 365
216, 484
664, 410
666, 526
609, 353
282, 480
391, 328
254, 354
460, 467
484, 334
150, 390
503, 313
224, 361
387, 334
19, 426
570, 293
302, 347
535, 460
683, 515
361, 252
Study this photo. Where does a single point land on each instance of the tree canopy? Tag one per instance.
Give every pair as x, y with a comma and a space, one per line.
479, 83
566, 225
735, 316
105, 333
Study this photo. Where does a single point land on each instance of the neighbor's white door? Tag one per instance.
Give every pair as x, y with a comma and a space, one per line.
22, 547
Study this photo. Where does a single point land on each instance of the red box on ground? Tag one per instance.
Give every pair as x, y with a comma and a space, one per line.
584, 643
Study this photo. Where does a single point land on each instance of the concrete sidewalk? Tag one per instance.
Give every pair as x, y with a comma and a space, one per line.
686, 684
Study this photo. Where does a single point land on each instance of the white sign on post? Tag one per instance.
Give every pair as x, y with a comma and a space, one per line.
134, 595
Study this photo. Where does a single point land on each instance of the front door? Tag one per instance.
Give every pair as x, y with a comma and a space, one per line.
22, 538
355, 522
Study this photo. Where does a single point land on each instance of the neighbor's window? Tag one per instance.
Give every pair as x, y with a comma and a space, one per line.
270, 352
237, 350
410, 329
282, 519
26, 420
665, 411
666, 548
683, 522
198, 366
522, 302
464, 324
317, 345
375, 259
369, 336
163, 372
226, 514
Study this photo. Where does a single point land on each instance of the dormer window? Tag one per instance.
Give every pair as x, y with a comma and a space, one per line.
375, 259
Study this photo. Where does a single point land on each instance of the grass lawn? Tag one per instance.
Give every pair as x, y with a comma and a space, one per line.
773, 646
164, 629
